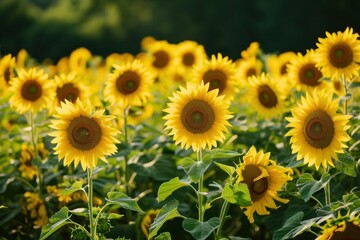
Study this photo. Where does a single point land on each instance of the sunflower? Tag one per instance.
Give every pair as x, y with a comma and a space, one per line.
337, 87
128, 85
252, 51
219, 72
278, 64
197, 117
79, 59
7, 72
36, 207
318, 133
188, 55
27, 154
265, 97
246, 68
264, 179
147, 220
347, 227
32, 91
303, 72
338, 54
117, 59
82, 135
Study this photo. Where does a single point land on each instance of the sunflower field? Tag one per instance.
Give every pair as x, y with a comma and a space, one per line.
172, 143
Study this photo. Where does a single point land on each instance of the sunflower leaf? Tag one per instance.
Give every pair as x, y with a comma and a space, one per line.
222, 153
120, 198
291, 228
200, 230
164, 236
346, 164
237, 194
195, 169
307, 185
76, 186
58, 220
226, 168
167, 188
167, 212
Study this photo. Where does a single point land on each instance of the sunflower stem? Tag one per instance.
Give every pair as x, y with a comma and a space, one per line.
346, 91
90, 203
327, 192
126, 111
200, 190
223, 212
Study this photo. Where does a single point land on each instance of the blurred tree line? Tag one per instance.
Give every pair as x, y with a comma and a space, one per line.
53, 28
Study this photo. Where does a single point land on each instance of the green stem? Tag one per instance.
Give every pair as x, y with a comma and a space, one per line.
126, 111
223, 212
346, 91
90, 203
327, 192
200, 190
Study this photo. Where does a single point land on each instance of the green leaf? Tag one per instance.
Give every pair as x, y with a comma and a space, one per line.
200, 230
307, 185
164, 236
114, 216
222, 153
5, 180
80, 212
58, 220
226, 168
355, 84
123, 200
237, 194
346, 164
293, 227
167, 188
76, 186
3, 206
196, 169
167, 212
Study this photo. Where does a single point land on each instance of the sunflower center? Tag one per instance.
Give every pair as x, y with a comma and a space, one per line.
188, 59
31, 90
351, 232
337, 85
128, 82
256, 188
67, 92
161, 60
7, 73
267, 96
84, 133
216, 79
250, 72
197, 116
283, 69
341, 55
310, 75
319, 129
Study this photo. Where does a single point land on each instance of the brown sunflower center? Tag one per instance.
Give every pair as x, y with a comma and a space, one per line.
310, 75
267, 96
319, 129
161, 60
7, 74
197, 116
250, 72
84, 133
216, 79
128, 82
351, 232
337, 85
188, 59
31, 90
256, 188
283, 69
67, 92
341, 55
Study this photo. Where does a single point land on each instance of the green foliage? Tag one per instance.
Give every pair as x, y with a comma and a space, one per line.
167, 188
196, 169
237, 194
200, 230
308, 185
58, 220
124, 201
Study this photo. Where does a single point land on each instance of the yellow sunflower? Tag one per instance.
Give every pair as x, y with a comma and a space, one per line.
7, 72
265, 97
36, 207
197, 117
318, 133
264, 179
347, 227
22, 58
188, 55
128, 85
338, 54
32, 91
26, 168
79, 59
246, 68
252, 51
278, 64
219, 72
337, 87
303, 73
82, 135
117, 59
148, 220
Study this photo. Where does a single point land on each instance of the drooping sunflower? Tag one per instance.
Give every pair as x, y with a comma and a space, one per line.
303, 73
27, 154
7, 68
197, 117
128, 85
36, 207
338, 54
265, 96
219, 72
317, 132
32, 91
346, 227
246, 68
264, 179
82, 135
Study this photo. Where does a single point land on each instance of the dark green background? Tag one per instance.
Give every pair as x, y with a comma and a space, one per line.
53, 28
